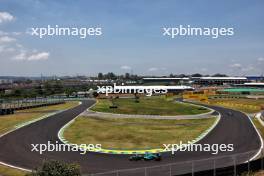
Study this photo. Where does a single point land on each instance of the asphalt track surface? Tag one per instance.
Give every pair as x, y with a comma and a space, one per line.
15, 147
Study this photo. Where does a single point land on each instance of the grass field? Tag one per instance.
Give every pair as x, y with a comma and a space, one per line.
132, 133
8, 122
243, 104
148, 106
259, 127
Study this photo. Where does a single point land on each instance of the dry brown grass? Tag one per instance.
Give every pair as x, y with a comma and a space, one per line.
8, 122
134, 133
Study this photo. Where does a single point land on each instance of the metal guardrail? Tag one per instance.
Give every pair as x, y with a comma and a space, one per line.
262, 114
27, 102
210, 166
9, 106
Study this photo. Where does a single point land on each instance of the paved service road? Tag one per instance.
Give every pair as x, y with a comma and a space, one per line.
15, 147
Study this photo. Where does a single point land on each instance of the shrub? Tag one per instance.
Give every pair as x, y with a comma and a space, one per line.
56, 168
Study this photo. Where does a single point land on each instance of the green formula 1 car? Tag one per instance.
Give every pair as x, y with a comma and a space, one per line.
136, 157
152, 156
146, 157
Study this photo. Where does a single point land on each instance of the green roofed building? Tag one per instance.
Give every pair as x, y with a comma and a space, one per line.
247, 91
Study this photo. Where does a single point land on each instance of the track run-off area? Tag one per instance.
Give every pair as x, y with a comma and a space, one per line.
236, 129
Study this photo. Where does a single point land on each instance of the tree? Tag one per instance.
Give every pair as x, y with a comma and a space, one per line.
17, 93
113, 104
136, 97
182, 76
171, 75
95, 94
111, 76
48, 89
56, 168
127, 76
197, 75
219, 75
69, 91
100, 76
38, 90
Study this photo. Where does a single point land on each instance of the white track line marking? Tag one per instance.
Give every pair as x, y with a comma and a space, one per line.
15, 167
38, 119
261, 140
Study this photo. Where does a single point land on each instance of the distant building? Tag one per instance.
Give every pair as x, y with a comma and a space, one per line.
205, 81
6, 81
255, 78
242, 91
166, 81
220, 80
251, 85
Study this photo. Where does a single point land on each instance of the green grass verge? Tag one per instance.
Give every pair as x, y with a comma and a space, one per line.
243, 104
123, 133
148, 106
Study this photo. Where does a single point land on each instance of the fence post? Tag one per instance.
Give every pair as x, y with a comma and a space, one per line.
261, 160
170, 169
192, 168
234, 158
214, 168
146, 171
248, 166
117, 173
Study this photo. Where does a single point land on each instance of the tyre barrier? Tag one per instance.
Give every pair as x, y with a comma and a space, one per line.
7, 111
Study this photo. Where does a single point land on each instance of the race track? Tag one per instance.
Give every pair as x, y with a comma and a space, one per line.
15, 147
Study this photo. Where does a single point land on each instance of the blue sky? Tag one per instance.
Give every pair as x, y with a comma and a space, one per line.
132, 39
